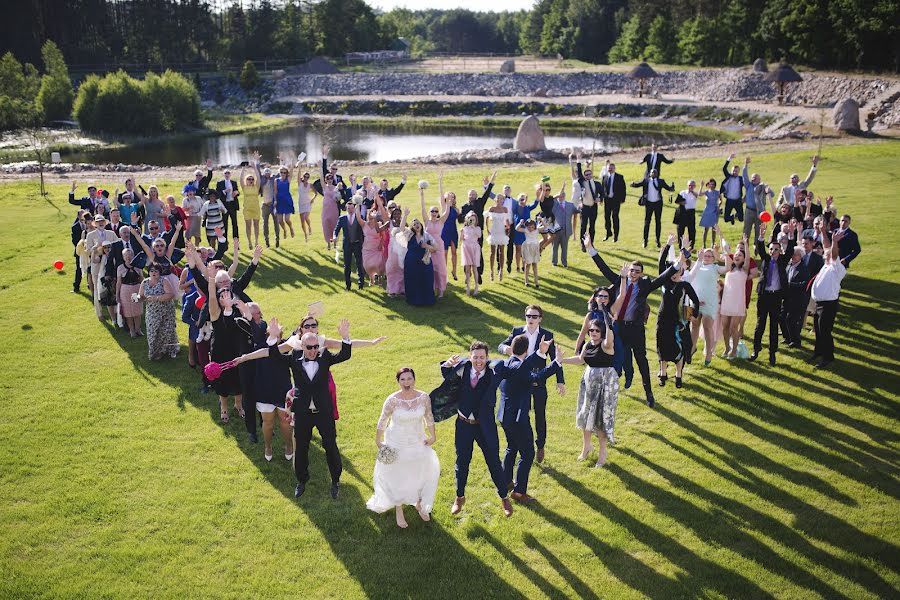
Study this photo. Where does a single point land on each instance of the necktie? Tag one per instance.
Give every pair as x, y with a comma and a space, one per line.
625, 301
475, 377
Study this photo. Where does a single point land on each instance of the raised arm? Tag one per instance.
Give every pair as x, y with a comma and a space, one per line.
422, 205
212, 300
598, 260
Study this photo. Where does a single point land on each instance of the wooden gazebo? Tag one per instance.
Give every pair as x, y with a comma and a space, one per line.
641, 72
783, 74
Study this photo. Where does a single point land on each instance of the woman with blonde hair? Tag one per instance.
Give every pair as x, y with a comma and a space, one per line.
250, 195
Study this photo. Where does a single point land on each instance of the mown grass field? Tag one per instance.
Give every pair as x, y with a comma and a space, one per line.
116, 479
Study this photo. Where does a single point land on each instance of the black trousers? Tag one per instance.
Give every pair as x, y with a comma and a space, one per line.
736, 206
76, 285
588, 221
634, 342
652, 209
611, 217
823, 323
231, 210
539, 401
304, 421
480, 256
510, 249
792, 315
688, 221
768, 307
248, 397
353, 251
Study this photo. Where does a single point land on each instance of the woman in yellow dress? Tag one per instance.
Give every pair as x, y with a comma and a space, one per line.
250, 196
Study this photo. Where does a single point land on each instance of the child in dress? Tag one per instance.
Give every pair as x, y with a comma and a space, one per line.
531, 248
471, 256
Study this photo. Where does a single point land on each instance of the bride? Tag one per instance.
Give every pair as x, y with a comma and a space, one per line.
412, 476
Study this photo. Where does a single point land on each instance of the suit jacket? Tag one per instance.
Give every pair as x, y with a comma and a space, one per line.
542, 333
617, 190
646, 284
515, 389
313, 390
220, 189
479, 401
814, 263
203, 185
351, 233
77, 230
728, 176
477, 207
593, 188
848, 247
84, 203
562, 214
337, 178
797, 279
655, 164
766, 263
97, 236
661, 185
788, 196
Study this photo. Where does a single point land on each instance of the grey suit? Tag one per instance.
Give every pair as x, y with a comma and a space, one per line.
562, 214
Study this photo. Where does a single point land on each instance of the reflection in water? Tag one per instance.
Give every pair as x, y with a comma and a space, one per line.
353, 142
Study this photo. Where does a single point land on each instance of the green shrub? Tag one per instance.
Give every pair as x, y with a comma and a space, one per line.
85, 109
249, 76
54, 99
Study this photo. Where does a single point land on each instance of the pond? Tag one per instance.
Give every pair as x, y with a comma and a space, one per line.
349, 141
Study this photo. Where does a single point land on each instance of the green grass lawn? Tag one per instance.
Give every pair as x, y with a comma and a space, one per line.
117, 480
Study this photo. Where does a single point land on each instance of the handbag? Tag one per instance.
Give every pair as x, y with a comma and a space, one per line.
642, 201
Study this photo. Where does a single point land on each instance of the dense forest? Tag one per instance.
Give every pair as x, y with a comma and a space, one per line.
841, 34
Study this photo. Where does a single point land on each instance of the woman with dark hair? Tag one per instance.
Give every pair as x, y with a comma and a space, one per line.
228, 328
710, 217
434, 221
331, 209
284, 201
306, 195
418, 272
157, 293
407, 469
673, 334
128, 283
733, 308
449, 233
601, 308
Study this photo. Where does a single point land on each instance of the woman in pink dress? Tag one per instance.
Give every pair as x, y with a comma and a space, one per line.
330, 210
471, 251
734, 308
373, 243
434, 225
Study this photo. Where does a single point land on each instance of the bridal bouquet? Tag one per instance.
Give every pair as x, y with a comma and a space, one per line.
386, 454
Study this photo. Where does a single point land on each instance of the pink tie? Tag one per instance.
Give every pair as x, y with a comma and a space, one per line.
475, 377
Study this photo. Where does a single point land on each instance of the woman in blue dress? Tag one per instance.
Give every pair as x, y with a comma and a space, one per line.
418, 272
450, 234
521, 212
284, 202
710, 217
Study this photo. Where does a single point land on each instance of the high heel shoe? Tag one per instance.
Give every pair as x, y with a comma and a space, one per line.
678, 383
662, 380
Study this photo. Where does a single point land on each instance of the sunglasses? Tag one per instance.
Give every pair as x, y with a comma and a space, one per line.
310, 325
313, 347
532, 316
634, 270
434, 212
153, 228
593, 330
603, 295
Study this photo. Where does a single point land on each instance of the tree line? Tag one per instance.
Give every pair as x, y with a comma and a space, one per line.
842, 34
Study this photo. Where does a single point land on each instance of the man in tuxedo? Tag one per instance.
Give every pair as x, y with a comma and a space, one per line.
350, 225
651, 191
476, 397
733, 191
789, 192
613, 197
770, 291
848, 245
228, 191
654, 161
88, 202
633, 314
533, 332
476, 204
591, 197
514, 406
311, 399
796, 298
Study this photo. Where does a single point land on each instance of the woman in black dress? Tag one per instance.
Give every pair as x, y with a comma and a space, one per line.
228, 329
673, 336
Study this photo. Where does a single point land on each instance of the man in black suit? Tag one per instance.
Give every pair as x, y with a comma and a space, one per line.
311, 399
591, 197
350, 225
732, 189
651, 193
796, 298
848, 245
613, 197
228, 191
476, 205
534, 333
88, 202
654, 161
770, 291
633, 314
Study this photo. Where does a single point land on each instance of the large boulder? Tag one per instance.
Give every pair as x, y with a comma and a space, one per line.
760, 66
846, 115
530, 137
508, 66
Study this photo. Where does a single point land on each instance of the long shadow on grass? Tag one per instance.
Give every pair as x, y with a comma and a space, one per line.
700, 575
769, 526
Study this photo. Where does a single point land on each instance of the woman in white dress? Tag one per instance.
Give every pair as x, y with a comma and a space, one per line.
498, 220
412, 477
306, 195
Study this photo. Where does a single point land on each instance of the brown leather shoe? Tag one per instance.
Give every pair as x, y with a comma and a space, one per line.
540, 455
457, 505
522, 498
507, 506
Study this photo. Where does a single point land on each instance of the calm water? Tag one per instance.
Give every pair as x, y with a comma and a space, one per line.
352, 142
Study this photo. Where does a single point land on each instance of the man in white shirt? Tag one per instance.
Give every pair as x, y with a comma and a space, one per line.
826, 288
687, 218
789, 192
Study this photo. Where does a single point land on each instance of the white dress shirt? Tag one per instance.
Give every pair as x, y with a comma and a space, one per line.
690, 200
653, 194
827, 284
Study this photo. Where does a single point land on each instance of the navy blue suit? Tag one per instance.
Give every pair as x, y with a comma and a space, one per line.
478, 402
353, 239
539, 387
848, 247
515, 404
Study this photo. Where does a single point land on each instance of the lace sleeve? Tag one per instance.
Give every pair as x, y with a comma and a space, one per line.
386, 412
429, 417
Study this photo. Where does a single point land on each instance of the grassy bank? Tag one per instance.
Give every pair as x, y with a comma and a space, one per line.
116, 479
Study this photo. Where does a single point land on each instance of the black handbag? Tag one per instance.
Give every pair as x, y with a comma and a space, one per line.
642, 201
445, 397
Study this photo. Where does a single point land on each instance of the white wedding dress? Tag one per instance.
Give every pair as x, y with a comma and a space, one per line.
413, 477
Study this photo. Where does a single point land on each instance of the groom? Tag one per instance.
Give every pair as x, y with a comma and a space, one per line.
475, 398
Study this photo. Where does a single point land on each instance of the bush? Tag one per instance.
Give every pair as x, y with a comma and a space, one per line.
118, 103
54, 99
249, 76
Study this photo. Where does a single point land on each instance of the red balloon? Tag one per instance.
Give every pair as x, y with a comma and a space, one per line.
58, 265
765, 216
199, 302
